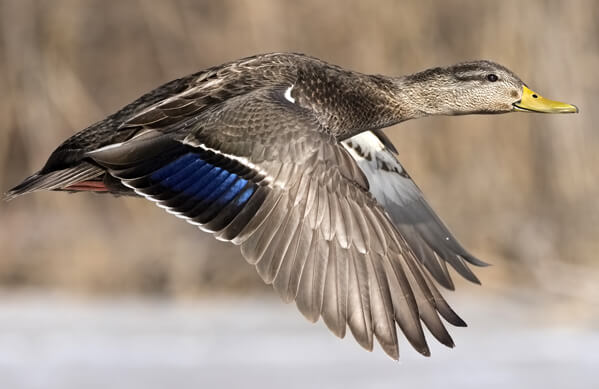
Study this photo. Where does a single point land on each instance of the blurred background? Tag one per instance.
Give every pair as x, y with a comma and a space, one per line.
93, 285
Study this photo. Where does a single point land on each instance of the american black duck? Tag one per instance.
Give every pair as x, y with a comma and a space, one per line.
282, 154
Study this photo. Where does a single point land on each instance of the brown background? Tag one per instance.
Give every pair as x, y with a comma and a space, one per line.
519, 190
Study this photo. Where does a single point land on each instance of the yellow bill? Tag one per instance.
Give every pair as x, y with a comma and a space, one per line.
534, 102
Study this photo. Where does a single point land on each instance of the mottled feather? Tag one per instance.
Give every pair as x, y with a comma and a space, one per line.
251, 152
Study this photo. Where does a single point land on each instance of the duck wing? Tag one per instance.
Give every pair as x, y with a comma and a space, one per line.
261, 172
394, 189
161, 109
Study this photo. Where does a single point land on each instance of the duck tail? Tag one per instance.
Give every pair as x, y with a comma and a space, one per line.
73, 178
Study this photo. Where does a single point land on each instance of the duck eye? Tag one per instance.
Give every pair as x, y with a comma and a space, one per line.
492, 77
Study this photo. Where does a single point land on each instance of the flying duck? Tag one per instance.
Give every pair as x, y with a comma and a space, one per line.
282, 154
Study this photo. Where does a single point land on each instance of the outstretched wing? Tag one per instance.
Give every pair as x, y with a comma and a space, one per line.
262, 173
393, 188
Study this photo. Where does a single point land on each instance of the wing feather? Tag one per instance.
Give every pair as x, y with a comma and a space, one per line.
424, 232
299, 207
333, 312
382, 306
359, 317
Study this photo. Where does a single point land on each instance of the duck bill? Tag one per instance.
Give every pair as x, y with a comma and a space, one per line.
533, 102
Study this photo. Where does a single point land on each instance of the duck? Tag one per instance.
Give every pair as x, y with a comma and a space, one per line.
283, 154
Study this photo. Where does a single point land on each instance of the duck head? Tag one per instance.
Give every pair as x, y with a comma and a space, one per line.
475, 87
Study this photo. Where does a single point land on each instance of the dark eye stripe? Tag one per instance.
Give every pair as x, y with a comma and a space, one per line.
467, 77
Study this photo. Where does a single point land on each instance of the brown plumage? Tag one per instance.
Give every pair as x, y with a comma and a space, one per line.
281, 154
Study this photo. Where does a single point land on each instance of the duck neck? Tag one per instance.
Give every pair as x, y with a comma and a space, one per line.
414, 99
380, 101
348, 103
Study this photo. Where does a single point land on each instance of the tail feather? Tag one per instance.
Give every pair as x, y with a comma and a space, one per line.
58, 179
